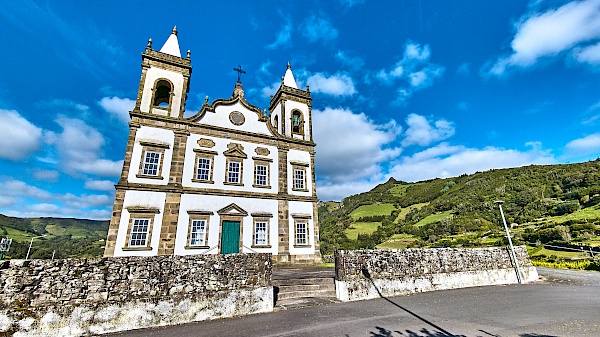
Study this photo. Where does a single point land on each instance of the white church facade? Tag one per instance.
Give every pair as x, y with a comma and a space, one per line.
230, 179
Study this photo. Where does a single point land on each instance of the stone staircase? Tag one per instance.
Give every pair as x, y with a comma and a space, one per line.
301, 287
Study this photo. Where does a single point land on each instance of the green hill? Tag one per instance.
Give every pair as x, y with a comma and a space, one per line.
65, 237
557, 204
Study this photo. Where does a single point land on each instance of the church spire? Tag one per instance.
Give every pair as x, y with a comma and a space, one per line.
171, 47
288, 79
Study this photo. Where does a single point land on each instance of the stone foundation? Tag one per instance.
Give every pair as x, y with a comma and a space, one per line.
366, 274
75, 297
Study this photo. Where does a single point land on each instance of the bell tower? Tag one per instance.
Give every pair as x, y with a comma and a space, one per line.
291, 109
165, 80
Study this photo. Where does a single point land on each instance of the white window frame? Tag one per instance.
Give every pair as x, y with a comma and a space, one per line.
229, 172
299, 232
199, 232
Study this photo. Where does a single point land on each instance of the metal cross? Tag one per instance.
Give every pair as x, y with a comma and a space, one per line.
240, 72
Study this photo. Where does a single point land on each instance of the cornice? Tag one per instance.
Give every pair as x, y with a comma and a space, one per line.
166, 58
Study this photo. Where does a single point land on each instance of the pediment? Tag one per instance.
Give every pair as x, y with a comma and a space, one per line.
232, 209
235, 150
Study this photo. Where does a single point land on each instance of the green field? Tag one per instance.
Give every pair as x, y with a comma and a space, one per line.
399, 190
558, 253
372, 210
361, 228
588, 214
434, 218
398, 241
407, 210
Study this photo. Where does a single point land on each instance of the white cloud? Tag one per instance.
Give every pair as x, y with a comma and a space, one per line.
444, 160
583, 146
422, 133
118, 107
350, 149
414, 70
19, 137
336, 85
46, 175
589, 54
271, 90
17, 198
315, 29
99, 185
283, 36
552, 32
79, 146
347, 60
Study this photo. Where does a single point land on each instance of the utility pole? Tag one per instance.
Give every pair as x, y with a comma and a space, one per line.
512, 249
31, 243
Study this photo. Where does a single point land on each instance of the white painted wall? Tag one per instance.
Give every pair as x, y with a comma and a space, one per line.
220, 118
277, 112
140, 199
215, 203
154, 74
220, 168
299, 207
152, 135
301, 157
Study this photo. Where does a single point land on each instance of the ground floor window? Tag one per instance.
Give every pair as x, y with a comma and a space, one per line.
139, 233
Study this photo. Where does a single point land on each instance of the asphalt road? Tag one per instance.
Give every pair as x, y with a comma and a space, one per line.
562, 303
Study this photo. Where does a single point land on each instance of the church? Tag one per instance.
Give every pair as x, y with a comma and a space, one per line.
230, 179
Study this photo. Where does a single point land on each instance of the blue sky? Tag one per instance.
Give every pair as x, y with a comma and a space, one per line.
407, 89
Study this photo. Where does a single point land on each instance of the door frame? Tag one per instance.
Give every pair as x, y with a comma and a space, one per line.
236, 218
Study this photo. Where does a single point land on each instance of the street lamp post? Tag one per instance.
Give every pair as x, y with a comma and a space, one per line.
512, 249
31, 243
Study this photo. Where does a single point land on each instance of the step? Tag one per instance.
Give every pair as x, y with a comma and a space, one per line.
306, 287
297, 303
304, 294
298, 281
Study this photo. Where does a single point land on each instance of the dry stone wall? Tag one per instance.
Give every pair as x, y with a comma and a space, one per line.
364, 274
75, 297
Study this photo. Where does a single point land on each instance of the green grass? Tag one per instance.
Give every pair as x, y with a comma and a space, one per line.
398, 241
407, 210
588, 214
371, 210
558, 253
332, 205
434, 218
399, 190
17, 235
361, 228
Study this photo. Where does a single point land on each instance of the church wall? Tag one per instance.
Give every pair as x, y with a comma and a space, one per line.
151, 135
220, 168
82, 297
194, 202
140, 199
154, 74
292, 105
303, 209
277, 112
220, 118
301, 157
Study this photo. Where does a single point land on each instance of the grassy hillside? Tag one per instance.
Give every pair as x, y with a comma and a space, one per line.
558, 204
66, 237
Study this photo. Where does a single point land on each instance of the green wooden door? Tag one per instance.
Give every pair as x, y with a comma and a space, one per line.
230, 237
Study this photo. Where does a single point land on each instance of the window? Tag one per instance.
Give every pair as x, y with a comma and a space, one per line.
234, 172
152, 160
299, 179
204, 166
197, 237
203, 169
260, 233
151, 163
261, 172
276, 123
301, 233
297, 122
198, 233
139, 233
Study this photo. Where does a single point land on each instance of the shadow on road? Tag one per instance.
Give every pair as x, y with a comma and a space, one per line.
387, 333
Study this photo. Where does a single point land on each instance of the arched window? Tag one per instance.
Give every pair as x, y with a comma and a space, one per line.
162, 94
276, 123
297, 122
